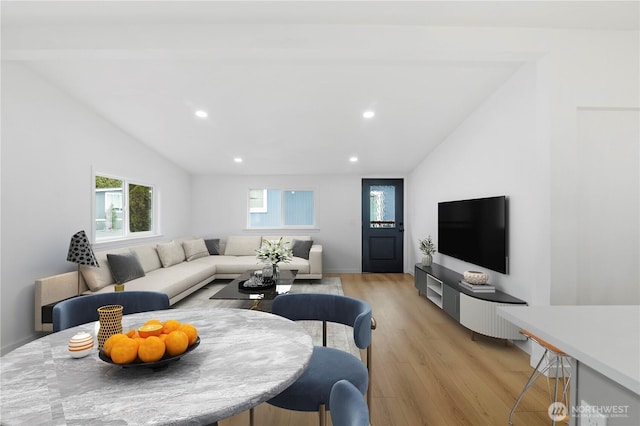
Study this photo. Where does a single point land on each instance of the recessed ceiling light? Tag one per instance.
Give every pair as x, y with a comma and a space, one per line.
202, 114
368, 114
353, 159
238, 160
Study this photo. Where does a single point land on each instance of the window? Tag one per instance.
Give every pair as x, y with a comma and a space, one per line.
382, 206
276, 208
123, 209
257, 201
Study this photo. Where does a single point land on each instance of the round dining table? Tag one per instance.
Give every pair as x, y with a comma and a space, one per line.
244, 358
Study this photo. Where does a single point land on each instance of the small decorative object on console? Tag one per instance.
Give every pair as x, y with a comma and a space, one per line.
478, 288
428, 249
476, 277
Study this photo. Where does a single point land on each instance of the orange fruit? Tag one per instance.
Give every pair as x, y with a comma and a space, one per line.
190, 331
176, 342
170, 325
153, 321
151, 349
124, 351
131, 333
108, 344
150, 330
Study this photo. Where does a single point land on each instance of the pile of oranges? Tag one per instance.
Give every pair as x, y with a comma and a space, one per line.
150, 342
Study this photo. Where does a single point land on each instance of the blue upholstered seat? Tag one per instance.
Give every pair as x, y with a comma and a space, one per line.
348, 407
312, 390
83, 309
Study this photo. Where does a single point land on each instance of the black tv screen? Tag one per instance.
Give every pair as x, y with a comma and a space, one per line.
475, 231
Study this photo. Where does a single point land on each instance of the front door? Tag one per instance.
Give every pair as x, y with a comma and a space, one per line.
382, 225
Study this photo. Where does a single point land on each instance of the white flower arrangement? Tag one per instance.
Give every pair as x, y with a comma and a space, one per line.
274, 251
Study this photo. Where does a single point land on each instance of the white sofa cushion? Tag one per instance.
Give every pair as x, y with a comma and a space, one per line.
195, 249
242, 245
97, 278
170, 253
148, 256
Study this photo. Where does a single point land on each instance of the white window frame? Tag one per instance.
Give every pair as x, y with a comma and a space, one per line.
127, 235
314, 225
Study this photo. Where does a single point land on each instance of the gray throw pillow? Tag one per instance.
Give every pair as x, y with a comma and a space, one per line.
125, 267
213, 245
301, 248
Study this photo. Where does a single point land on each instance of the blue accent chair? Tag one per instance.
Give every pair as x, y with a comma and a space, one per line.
348, 407
84, 309
311, 391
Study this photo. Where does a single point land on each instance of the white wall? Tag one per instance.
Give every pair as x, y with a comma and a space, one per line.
220, 210
50, 143
608, 207
526, 142
588, 70
494, 152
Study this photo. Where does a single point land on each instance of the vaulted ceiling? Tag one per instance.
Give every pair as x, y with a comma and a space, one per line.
285, 84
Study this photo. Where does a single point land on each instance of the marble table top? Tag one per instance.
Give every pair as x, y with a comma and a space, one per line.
244, 358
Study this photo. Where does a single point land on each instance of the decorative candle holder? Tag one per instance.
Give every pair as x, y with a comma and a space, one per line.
110, 322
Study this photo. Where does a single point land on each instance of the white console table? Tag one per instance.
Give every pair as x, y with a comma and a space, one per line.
604, 341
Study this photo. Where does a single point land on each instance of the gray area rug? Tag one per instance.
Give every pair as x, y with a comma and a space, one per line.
338, 335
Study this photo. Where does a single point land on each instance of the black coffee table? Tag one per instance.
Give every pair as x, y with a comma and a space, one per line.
235, 291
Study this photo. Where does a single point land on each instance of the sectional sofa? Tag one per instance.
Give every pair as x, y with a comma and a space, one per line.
177, 267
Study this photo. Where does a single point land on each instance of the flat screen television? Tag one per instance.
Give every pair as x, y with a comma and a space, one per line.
475, 231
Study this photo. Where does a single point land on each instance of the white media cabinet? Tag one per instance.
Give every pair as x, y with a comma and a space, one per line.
475, 311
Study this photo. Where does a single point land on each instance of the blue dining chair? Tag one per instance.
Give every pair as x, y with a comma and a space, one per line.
348, 407
311, 391
83, 309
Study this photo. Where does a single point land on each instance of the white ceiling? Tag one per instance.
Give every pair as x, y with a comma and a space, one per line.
285, 83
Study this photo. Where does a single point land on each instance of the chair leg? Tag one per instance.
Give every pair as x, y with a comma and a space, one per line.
322, 414
530, 382
369, 358
251, 416
555, 387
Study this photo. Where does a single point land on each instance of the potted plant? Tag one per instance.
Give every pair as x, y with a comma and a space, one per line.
273, 252
428, 249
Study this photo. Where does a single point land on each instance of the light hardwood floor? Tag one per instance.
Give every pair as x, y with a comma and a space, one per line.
426, 368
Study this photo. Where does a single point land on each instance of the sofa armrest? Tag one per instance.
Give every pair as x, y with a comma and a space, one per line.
50, 290
315, 259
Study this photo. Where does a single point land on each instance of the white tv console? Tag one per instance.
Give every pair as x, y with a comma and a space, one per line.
475, 311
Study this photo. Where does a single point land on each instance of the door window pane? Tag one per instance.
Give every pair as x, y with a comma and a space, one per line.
382, 209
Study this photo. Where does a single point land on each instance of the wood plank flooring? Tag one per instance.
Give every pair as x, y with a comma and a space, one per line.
426, 368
